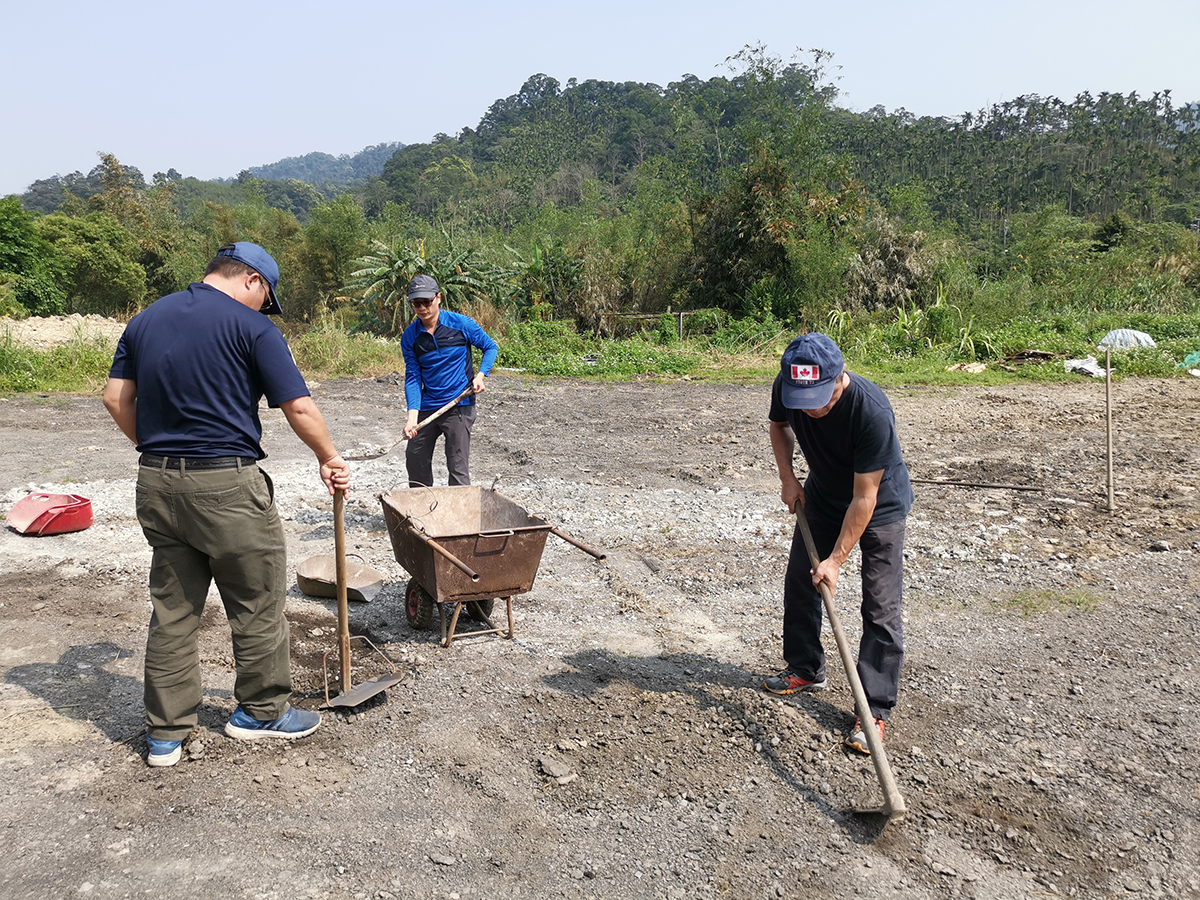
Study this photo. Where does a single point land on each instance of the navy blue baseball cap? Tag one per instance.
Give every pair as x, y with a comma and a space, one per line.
261, 262
810, 368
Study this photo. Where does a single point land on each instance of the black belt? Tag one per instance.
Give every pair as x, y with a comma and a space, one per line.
198, 462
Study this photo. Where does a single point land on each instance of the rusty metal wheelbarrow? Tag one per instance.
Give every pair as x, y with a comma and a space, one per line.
465, 545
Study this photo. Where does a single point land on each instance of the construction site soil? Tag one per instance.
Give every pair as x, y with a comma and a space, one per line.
620, 746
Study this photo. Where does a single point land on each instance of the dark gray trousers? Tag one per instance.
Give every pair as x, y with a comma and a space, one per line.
205, 525
881, 650
456, 427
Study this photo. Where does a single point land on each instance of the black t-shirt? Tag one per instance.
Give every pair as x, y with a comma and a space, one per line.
202, 361
857, 436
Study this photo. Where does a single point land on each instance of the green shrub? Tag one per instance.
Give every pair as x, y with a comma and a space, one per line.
557, 348
81, 365
329, 351
9, 305
666, 331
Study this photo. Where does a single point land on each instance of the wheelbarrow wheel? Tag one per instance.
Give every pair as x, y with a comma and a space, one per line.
479, 610
418, 605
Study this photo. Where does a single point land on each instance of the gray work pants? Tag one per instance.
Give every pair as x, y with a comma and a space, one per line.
881, 651
205, 525
456, 427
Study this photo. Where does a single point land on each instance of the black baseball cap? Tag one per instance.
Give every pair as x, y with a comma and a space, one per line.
423, 287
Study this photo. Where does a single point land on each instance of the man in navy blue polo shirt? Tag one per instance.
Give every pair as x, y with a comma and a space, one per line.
437, 368
857, 492
185, 385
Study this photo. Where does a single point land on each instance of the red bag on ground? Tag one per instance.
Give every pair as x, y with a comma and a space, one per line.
41, 514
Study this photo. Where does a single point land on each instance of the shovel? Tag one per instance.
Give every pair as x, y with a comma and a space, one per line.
361, 455
893, 804
350, 696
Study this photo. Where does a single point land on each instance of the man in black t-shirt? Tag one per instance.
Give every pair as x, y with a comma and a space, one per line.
857, 492
184, 386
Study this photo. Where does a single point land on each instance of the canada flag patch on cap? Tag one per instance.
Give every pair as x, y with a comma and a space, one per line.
806, 372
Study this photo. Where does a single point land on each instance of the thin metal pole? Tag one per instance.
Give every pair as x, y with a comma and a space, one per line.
1108, 416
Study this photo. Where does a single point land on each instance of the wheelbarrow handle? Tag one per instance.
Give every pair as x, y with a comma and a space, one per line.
580, 544
438, 548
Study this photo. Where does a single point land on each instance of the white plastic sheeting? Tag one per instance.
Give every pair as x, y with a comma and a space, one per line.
1124, 338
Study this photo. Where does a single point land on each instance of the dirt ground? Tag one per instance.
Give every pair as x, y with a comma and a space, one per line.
620, 745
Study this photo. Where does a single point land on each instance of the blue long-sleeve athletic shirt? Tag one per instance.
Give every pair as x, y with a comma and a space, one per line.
438, 366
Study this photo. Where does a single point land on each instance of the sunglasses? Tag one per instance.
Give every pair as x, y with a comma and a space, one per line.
420, 303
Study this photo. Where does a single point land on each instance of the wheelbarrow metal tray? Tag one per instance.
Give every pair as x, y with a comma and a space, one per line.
491, 534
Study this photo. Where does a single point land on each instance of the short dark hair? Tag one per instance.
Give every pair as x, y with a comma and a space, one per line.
229, 267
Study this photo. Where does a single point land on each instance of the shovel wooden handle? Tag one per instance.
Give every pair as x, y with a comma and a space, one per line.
445, 409
893, 804
339, 551
428, 420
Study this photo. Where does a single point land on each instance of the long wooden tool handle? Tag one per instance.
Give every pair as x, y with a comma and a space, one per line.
893, 803
438, 548
580, 544
339, 550
445, 409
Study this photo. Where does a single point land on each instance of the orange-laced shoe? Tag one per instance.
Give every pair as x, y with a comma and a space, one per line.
857, 739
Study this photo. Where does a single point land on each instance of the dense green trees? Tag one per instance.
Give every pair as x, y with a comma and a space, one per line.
30, 272
99, 259
1092, 157
751, 193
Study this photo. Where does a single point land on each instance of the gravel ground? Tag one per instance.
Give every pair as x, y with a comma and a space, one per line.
619, 745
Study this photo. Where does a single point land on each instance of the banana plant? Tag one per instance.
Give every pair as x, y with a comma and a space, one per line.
381, 278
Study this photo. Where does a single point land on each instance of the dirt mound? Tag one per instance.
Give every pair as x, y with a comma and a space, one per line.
46, 332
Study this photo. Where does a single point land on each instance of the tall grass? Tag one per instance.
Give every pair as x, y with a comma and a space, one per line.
328, 351
557, 348
894, 347
79, 366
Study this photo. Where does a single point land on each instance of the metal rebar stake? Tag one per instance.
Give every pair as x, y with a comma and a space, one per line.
1108, 416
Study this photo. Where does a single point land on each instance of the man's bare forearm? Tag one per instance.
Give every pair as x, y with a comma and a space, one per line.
120, 399
308, 423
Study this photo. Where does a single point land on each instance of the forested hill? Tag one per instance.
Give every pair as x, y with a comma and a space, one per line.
324, 168
1094, 155
294, 184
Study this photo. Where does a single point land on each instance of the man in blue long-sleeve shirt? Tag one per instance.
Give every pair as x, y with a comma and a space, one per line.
437, 368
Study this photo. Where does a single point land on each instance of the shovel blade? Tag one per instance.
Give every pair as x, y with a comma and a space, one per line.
364, 691
881, 814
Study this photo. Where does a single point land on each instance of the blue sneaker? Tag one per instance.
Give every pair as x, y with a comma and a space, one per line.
163, 753
295, 723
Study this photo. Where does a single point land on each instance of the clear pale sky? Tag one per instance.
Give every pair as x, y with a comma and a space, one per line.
176, 84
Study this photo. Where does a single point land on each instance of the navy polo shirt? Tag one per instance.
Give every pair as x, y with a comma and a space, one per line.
857, 436
201, 362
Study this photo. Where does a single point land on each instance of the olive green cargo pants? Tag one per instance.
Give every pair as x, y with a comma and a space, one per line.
206, 525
